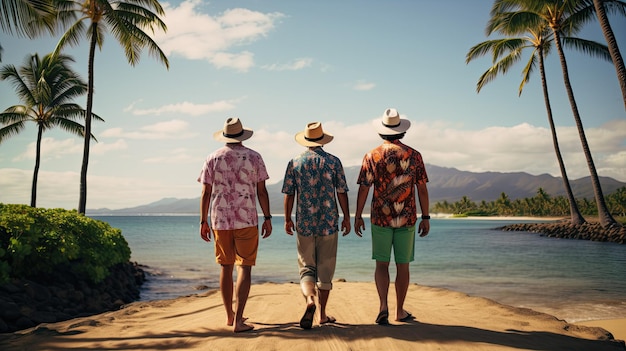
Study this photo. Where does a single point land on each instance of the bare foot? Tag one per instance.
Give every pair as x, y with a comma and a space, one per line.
307, 319
231, 319
243, 327
328, 319
406, 316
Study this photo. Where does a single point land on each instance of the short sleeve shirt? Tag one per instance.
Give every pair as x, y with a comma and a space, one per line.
233, 172
313, 177
394, 170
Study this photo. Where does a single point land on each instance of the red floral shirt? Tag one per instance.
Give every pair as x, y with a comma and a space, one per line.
394, 169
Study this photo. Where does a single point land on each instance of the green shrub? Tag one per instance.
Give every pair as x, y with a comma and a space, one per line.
35, 241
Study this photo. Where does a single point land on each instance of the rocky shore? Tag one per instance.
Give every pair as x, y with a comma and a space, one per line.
61, 296
563, 229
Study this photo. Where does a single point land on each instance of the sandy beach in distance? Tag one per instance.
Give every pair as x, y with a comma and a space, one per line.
445, 320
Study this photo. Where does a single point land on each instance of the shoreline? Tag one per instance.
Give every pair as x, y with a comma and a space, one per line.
445, 320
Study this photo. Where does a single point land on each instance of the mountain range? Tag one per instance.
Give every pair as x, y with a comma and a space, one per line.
445, 184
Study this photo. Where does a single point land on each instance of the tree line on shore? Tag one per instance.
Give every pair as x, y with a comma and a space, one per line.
540, 205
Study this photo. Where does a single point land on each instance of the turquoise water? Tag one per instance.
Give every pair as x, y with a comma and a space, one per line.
572, 279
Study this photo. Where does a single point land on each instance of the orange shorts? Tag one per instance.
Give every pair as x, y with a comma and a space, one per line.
238, 246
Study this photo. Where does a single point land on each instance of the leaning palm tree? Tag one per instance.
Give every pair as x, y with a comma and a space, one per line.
607, 31
505, 53
564, 18
126, 21
47, 88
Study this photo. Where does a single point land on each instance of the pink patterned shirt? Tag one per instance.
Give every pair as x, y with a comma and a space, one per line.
233, 172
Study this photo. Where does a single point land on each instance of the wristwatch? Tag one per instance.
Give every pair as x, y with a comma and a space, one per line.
267, 218
425, 217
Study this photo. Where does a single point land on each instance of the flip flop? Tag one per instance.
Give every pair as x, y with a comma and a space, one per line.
307, 319
408, 317
383, 318
329, 319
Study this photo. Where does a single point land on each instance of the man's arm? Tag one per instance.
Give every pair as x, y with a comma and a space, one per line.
422, 195
360, 204
205, 201
288, 205
264, 201
345, 208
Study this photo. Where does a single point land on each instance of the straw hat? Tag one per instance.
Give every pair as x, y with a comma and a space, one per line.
392, 124
233, 131
313, 135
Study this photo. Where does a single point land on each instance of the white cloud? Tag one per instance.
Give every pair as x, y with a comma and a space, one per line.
363, 86
174, 129
200, 36
52, 149
177, 156
519, 148
186, 108
295, 65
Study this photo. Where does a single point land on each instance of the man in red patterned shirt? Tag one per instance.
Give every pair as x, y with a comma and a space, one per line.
396, 171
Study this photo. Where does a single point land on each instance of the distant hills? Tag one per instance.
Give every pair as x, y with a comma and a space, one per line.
447, 184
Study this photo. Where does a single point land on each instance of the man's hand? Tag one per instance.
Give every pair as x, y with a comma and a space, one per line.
345, 226
288, 226
424, 227
266, 229
359, 226
205, 232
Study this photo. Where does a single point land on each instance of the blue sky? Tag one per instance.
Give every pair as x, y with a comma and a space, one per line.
278, 65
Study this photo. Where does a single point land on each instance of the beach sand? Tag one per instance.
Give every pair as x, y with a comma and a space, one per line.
445, 320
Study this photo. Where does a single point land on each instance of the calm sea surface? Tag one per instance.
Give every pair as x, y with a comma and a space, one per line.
574, 280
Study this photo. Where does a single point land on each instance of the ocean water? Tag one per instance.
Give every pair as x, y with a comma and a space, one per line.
574, 280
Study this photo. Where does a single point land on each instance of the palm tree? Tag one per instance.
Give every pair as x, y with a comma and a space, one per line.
505, 53
563, 17
46, 88
27, 17
607, 31
126, 21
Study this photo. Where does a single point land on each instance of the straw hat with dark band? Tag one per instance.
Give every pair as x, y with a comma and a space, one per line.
392, 124
233, 131
313, 135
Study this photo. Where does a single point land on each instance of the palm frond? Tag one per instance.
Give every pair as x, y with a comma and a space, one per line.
589, 47
10, 129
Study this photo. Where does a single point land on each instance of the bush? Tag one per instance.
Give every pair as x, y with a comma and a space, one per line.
36, 241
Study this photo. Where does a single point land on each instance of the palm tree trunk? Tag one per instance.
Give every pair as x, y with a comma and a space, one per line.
612, 45
33, 192
82, 201
576, 217
606, 220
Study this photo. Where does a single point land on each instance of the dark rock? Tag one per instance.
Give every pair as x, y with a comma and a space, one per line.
563, 229
61, 296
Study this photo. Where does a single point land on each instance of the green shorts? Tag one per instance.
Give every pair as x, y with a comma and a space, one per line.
401, 239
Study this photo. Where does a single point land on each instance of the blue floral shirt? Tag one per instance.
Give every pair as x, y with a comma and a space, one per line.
313, 177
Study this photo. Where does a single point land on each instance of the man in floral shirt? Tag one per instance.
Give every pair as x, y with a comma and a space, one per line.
395, 170
232, 178
313, 178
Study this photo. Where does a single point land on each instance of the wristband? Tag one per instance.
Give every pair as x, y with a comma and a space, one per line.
425, 217
267, 218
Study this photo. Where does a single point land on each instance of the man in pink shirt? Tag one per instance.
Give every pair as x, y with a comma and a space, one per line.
232, 178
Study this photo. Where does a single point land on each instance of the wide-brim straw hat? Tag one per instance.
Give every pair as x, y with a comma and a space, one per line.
313, 135
233, 131
392, 124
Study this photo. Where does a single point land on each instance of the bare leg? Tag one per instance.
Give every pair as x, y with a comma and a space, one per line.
244, 280
402, 286
309, 292
324, 294
381, 276
226, 288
